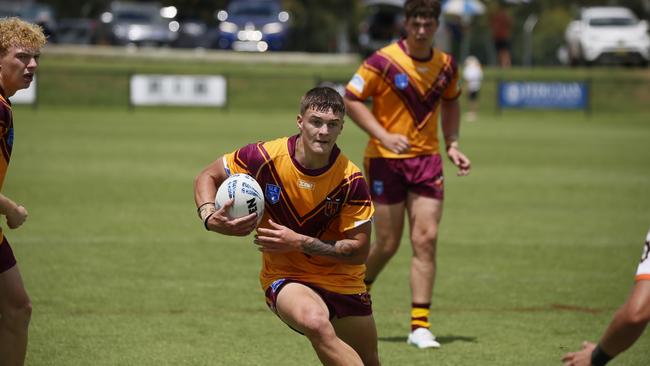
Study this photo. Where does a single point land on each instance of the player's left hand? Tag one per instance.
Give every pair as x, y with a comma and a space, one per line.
580, 358
219, 221
277, 239
460, 160
16, 217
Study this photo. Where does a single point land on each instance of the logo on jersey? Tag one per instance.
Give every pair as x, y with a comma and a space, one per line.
272, 193
442, 81
305, 185
276, 284
357, 83
401, 81
378, 187
365, 298
332, 207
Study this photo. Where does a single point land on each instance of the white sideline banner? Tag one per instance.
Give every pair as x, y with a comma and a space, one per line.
178, 90
25, 96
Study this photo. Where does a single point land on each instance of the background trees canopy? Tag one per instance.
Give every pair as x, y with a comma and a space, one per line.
331, 25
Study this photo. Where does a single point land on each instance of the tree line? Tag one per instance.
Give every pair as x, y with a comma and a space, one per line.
322, 25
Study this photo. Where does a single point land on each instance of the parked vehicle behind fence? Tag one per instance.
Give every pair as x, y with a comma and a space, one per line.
607, 35
140, 24
252, 25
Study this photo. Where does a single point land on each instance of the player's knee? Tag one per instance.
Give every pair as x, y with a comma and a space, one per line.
387, 246
388, 250
427, 236
17, 316
317, 326
424, 244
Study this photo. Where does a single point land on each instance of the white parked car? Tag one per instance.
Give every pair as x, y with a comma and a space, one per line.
607, 34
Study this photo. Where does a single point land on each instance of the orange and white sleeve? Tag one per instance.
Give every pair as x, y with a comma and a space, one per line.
363, 84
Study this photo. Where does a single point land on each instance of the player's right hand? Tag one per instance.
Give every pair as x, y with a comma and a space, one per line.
580, 358
16, 217
221, 223
396, 143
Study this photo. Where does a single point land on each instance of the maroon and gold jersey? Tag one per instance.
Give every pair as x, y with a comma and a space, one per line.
406, 95
6, 139
322, 203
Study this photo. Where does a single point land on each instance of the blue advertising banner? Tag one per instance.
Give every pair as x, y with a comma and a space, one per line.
543, 95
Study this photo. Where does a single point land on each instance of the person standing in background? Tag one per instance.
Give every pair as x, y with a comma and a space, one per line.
412, 85
472, 76
501, 24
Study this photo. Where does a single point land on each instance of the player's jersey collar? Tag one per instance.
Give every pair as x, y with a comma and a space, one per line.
402, 44
291, 145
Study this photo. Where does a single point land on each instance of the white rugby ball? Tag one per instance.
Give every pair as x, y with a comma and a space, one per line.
247, 194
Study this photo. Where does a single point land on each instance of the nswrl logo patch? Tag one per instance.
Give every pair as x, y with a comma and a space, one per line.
272, 193
401, 81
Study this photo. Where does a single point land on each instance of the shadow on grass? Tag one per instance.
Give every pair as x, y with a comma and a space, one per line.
442, 339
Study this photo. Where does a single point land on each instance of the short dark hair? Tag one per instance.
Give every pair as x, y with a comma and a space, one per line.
422, 8
322, 99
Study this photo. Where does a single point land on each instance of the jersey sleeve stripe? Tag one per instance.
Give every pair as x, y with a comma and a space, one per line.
449, 70
351, 95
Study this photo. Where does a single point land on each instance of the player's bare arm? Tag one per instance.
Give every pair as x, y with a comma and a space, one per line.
352, 250
364, 118
15, 213
626, 327
450, 117
629, 322
205, 189
207, 182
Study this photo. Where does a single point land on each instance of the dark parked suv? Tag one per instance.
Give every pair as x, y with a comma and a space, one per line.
252, 25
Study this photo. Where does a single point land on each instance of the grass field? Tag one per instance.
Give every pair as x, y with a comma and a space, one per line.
538, 245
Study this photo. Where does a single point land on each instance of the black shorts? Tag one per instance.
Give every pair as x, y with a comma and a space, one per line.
502, 44
7, 259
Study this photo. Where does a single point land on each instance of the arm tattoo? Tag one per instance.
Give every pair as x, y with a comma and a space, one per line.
331, 248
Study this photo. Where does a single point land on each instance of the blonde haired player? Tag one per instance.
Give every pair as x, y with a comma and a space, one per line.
315, 232
20, 44
628, 323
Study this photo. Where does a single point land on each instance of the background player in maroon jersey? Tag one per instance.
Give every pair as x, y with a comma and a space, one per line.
411, 84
